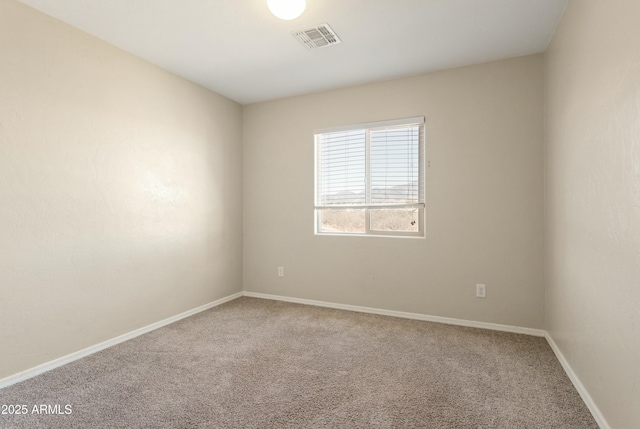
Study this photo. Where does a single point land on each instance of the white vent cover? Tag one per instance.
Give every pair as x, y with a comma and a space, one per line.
318, 36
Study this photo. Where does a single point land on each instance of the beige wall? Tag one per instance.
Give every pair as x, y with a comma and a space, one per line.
484, 216
592, 76
120, 191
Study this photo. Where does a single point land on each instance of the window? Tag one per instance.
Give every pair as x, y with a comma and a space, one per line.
369, 179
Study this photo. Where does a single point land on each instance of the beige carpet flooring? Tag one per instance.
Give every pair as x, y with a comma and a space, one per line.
254, 363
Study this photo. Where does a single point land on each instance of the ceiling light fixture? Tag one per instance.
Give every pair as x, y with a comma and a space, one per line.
287, 9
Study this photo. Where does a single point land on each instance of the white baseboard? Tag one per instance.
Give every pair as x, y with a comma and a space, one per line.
32, 372
593, 408
402, 314
584, 394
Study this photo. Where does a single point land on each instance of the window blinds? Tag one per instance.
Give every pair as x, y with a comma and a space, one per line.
380, 165
342, 168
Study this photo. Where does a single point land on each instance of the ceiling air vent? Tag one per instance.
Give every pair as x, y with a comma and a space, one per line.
318, 36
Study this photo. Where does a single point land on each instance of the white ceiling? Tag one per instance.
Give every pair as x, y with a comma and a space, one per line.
237, 48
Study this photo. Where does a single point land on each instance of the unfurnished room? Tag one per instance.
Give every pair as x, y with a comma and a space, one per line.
320, 214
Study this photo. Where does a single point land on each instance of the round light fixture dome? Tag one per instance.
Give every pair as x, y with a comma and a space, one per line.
287, 9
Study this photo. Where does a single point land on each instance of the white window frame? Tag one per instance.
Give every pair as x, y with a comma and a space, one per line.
367, 207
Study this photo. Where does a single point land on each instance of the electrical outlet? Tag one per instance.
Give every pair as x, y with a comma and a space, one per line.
481, 291
280, 271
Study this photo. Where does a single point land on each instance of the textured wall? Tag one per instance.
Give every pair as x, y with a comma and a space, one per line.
120, 191
592, 77
484, 197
